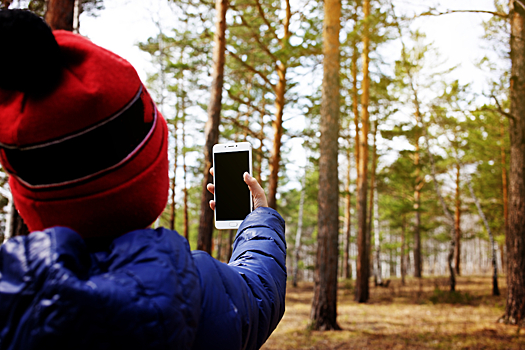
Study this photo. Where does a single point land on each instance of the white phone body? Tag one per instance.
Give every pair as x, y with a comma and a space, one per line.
233, 199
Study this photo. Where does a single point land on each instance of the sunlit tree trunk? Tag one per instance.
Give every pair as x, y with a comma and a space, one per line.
505, 196
363, 260
173, 211
457, 216
231, 234
185, 170
59, 14
515, 309
219, 245
347, 271
377, 238
324, 305
403, 248
417, 197
299, 233
211, 130
371, 197
355, 99
260, 149
280, 90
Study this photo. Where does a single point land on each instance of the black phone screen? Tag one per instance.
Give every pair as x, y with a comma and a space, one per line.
232, 196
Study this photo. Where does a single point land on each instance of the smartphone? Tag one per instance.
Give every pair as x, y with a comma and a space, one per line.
233, 200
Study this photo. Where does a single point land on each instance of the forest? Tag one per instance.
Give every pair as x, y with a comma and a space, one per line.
401, 182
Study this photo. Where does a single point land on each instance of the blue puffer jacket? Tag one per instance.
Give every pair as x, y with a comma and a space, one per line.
148, 291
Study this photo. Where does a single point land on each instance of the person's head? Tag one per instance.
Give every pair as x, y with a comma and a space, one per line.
80, 137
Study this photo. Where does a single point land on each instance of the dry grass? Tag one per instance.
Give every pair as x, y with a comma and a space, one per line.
420, 315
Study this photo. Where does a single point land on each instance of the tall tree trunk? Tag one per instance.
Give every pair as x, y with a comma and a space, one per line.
371, 197
457, 252
324, 305
211, 130
417, 199
363, 261
185, 191
403, 254
219, 245
77, 8
347, 271
280, 90
495, 289
515, 309
377, 238
260, 150
299, 233
355, 99
59, 14
231, 233
173, 211
504, 187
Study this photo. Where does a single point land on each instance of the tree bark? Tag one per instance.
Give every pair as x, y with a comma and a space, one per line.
219, 245
324, 305
457, 216
299, 233
173, 212
363, 261
417, 197
280, 90
347, 271
185, 190
515, 309
230, 243
377, 238
403, 248
372, 192
59, 14
211, 130
260, 149
355, 98
505, 195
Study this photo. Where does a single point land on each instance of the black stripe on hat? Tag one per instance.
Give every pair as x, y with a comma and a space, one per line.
84, 154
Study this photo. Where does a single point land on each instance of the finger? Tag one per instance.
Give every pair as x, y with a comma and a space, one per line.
259, 197
211, 171
211, 188
212, 204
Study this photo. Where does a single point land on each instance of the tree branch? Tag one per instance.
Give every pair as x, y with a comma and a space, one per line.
242, 126
256, 37
247, 103
250, 68
434, 12
263, 16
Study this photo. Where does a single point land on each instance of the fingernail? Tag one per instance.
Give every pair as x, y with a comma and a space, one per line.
246, 173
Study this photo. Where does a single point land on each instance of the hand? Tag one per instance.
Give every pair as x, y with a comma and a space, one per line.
259, 198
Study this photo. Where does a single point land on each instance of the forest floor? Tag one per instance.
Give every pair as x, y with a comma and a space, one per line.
420, 315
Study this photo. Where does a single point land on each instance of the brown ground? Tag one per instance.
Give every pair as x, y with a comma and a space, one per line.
421, 315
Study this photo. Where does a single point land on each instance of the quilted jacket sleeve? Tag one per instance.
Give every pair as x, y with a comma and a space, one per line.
243, 301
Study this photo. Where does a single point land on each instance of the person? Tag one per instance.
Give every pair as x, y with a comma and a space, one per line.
86, 151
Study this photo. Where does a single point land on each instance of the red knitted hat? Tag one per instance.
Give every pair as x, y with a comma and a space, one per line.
83, 142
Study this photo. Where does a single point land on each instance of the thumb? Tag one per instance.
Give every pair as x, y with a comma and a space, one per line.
259, 197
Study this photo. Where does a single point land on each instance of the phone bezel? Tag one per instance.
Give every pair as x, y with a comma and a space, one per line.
227, 148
